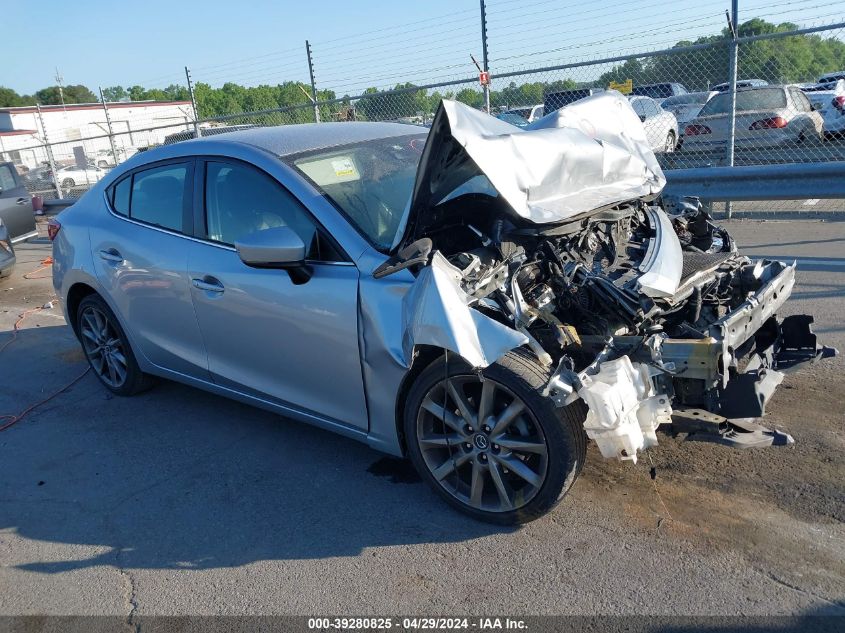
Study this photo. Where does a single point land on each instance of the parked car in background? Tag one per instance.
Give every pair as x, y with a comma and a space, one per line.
557, 100
529, 113
828, 99
686, 107
769, 116
17, 220
659, 91
74, 176
105, 159
741, 83
832, 77
513, 119
661, 126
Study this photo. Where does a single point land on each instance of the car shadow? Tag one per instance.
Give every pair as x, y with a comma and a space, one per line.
177, 478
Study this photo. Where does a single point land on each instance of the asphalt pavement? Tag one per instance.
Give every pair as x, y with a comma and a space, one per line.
177, 502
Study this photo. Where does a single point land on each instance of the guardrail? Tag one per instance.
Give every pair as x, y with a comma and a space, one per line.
797, 181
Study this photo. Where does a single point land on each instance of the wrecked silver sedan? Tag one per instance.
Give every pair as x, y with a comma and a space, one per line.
481, 299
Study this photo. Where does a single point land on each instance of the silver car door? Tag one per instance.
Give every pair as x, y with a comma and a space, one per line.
294, 343
140, 253
15, 205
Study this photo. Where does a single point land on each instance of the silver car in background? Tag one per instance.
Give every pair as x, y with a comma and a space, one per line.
686, 107
828, 99
769, 116
661, 126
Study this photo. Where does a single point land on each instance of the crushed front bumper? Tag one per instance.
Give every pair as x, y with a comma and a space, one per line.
733, 372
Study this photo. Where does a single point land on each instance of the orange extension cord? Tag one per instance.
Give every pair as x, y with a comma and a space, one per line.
14, 419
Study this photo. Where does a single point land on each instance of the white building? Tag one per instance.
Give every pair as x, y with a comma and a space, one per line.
135, 124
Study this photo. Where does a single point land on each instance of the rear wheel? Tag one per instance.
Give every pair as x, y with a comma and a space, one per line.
67, 183
107, 348
492, 446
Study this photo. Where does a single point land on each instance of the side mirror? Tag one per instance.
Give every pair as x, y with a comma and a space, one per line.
642, 118
279, 247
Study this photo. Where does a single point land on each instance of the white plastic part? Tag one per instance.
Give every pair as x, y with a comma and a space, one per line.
624, 412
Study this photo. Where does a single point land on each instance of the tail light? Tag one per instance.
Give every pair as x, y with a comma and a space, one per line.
53, 228
839, 102
695, 130
773, 123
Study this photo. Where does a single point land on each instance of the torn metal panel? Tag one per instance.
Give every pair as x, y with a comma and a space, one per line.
436, 311
589, 155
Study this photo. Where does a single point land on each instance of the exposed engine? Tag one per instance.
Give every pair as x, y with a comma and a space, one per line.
563, 283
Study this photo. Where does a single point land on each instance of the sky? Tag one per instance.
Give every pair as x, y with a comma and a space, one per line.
356, 43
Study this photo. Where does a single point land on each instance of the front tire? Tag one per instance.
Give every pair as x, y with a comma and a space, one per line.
67, 183
671, 142
498, 451
107, 348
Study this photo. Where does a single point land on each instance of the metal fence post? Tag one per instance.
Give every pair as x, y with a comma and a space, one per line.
108, 125
484, 56
734, 62
197, 131
49, 151
313, 83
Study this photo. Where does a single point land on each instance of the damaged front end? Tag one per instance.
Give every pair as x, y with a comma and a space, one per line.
555, 237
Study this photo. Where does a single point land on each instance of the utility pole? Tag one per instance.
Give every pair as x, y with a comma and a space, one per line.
49, 151
197, 132
484, 60
59, 82
108, 125
733, 25
313, 83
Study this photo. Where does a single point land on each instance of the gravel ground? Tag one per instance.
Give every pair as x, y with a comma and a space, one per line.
177, 502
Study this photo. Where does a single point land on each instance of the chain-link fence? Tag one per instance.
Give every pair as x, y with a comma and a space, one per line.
789, 103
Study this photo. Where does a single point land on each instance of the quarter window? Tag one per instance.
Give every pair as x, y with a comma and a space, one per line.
240, 200
120, 196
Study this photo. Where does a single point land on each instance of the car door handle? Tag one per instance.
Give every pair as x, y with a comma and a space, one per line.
209, 284
21, 200
111, 255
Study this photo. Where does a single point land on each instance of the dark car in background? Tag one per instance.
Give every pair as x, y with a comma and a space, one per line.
17, 220
659, 91
556, 100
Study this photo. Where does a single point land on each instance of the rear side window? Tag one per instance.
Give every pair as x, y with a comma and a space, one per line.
158, 196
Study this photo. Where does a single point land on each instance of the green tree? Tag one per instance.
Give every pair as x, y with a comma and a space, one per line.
115, 93
9, 98
72, 94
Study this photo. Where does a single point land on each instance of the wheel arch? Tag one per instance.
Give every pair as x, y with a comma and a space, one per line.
424, 355
75, 294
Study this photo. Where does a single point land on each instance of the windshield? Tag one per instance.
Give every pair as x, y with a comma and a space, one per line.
747, 101
370, 182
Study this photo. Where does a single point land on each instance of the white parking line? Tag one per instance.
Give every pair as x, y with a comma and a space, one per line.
811, 202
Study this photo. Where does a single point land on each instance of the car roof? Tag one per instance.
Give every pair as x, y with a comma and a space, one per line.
284, 140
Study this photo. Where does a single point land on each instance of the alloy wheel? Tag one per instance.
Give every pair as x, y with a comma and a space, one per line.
481, 443
103, 347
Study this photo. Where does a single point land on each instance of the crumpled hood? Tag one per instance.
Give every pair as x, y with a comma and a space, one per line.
585, 156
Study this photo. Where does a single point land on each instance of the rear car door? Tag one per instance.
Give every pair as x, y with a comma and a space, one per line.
140, 253
15, 205
266, 336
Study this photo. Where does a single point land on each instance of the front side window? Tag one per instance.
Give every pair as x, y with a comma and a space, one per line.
240, 200
158, 196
